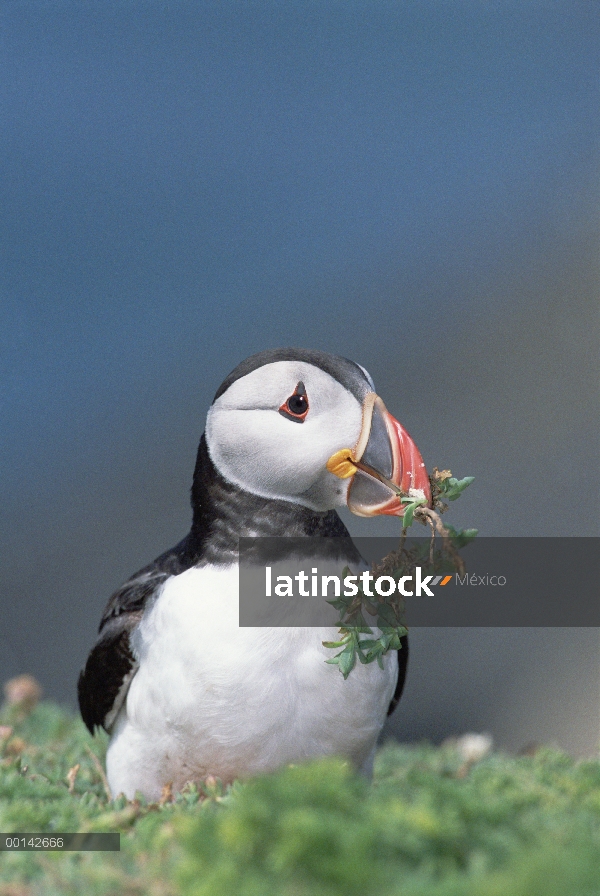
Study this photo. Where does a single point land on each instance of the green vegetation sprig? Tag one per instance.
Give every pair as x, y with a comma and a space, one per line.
440, 555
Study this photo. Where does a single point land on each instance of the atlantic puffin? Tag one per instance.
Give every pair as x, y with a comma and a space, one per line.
182, 689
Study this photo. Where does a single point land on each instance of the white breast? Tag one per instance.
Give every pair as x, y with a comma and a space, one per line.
211, 697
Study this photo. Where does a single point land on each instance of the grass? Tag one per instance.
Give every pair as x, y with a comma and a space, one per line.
431, 824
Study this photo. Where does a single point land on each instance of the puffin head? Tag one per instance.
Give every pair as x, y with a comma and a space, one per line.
308, 427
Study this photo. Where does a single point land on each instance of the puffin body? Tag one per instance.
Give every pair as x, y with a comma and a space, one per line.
183, 689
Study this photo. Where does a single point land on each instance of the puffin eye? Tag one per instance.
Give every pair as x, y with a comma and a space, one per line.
296, 406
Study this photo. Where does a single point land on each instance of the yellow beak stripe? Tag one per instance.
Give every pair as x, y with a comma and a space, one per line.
341, 465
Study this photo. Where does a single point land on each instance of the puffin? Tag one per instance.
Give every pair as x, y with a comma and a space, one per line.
185, 691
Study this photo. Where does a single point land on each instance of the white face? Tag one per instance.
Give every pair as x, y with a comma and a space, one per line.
256, 447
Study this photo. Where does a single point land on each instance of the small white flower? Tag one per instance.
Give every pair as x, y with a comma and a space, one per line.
473, 747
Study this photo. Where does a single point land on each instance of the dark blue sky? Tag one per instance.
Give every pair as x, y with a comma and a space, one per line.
412, 185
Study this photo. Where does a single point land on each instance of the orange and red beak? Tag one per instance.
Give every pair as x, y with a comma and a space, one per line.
385, 464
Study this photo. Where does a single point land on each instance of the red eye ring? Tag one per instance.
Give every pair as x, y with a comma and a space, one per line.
296, 406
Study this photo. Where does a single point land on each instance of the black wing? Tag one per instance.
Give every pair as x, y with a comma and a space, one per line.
402, 665
111, 665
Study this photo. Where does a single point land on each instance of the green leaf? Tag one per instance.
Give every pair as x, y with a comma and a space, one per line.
339, 603
461, 537
347, 660
455, 487
409, 513
384, 640
368, 644
387, 614
465, 536
409, 510
357, 622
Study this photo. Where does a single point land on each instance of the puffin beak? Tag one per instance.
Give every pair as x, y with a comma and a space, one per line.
384, 462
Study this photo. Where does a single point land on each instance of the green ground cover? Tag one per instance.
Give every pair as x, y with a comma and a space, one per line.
431, 824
